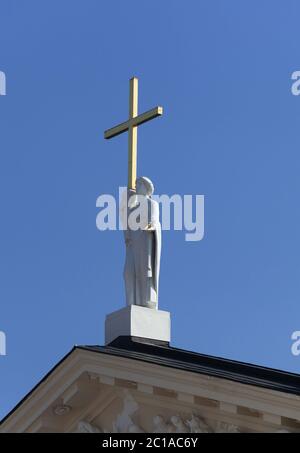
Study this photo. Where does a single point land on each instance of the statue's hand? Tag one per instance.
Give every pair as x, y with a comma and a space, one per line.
150, 227
127, 237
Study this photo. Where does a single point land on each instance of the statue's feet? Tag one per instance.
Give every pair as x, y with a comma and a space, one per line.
152, 305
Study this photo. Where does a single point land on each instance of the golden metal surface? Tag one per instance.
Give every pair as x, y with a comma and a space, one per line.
131, 126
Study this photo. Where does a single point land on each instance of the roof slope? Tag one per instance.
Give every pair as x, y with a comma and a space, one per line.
164, 355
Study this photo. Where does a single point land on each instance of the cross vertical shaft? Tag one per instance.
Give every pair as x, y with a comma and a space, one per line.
132, 133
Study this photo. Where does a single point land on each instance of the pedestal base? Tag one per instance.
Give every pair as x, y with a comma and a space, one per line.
137, 321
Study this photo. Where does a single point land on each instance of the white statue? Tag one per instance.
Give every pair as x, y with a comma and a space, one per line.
198, 425
124, 422
143, 245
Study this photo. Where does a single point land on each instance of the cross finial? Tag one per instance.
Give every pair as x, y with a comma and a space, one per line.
131, 126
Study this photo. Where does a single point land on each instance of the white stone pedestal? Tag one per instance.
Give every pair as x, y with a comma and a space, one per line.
137, 321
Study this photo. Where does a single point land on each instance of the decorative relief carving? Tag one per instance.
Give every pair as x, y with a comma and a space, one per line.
124, 422
223, 427
198, 425
85, 427
178, 424
160, 426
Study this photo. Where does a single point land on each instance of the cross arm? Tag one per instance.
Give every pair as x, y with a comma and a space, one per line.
147, 116
136, 121
114, 131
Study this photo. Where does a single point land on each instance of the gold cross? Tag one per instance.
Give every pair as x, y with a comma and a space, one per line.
131, 126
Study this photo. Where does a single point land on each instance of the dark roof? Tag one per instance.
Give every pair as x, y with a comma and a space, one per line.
180, 359
165, 355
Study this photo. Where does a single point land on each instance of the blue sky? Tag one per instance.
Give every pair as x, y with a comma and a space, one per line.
230, 131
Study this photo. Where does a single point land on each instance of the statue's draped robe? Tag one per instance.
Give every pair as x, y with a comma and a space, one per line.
143, 249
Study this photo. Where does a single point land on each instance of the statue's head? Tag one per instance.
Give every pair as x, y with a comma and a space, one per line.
144, 186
